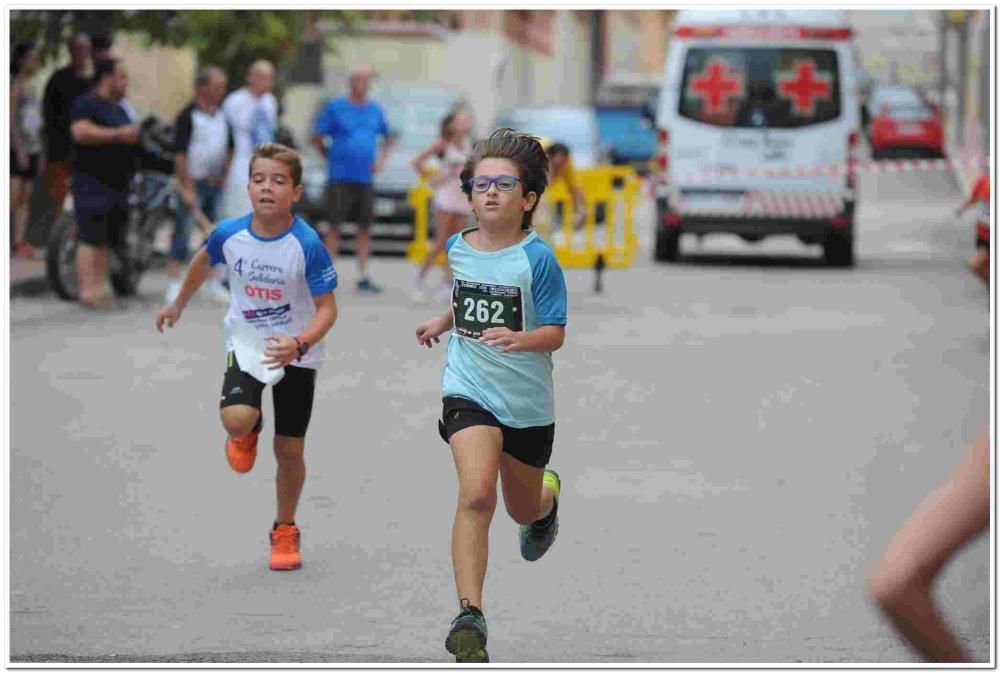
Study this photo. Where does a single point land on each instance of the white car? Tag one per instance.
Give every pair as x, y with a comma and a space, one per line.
757, 127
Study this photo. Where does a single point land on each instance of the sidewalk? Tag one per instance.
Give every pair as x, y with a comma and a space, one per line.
27, 277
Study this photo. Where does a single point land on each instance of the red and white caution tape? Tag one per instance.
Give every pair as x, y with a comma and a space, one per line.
786, 205
715, 174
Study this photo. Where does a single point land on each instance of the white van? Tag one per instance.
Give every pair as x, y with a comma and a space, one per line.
757, 126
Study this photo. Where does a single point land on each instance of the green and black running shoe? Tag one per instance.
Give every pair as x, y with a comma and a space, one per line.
467, 638
537, 537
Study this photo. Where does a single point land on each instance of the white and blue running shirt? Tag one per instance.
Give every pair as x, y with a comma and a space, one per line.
272, 281
521, 287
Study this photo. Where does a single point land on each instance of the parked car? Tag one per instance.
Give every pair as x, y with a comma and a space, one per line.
413, 113
901, 120
574, 126
629, 135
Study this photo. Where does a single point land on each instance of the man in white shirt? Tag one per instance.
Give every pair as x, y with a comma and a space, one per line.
252, 113
203, 150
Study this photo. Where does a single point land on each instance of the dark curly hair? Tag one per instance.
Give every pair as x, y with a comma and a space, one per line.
525, 150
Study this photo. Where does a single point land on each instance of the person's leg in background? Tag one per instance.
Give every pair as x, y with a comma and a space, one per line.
57, 184
444, 226
947, 519
334, 208
179, 249
92, 253
364, 201
19, 193
209, 197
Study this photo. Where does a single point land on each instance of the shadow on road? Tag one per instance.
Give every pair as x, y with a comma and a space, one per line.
750, 260
790, 262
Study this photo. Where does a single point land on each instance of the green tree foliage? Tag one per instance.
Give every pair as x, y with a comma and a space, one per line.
231, 39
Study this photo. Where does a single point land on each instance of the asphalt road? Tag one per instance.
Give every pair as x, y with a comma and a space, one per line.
738, 437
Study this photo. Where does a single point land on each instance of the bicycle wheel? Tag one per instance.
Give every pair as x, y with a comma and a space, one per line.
125, 261
60, 258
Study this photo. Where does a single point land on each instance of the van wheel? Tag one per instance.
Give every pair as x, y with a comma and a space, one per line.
667, 245
839, 250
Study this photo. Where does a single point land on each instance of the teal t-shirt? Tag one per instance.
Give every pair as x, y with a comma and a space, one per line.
521, 287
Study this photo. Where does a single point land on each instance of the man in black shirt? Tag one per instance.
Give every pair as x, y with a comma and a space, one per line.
103, 164
64, 87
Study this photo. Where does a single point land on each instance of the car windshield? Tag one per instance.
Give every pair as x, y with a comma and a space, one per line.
910, 112
415, 117
575, 128
415, 124
896, 96
760, 87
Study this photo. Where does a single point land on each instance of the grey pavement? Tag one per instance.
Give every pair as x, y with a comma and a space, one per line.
738, 437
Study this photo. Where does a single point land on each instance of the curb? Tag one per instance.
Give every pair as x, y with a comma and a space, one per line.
32, 286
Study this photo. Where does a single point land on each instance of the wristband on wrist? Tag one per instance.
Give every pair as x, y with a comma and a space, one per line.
303, 347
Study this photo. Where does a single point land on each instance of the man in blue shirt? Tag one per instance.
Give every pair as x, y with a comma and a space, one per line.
353, 124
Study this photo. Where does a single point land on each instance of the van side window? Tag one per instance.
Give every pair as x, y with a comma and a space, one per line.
749, 87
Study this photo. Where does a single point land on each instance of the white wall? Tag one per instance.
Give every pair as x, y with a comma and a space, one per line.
492, 71
898, 45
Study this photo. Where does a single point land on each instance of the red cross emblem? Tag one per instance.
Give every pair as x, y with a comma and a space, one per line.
715, 85
803, 85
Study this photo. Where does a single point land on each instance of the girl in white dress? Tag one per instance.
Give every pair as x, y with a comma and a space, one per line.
451, 205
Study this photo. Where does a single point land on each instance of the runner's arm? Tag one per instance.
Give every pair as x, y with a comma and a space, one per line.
429, 331
322, 320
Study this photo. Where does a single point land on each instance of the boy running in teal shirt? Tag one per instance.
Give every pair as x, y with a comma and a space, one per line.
507, 315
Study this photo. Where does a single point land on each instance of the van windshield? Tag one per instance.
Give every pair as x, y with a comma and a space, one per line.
760, 87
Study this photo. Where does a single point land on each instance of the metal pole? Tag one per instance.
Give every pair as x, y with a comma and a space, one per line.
599, 273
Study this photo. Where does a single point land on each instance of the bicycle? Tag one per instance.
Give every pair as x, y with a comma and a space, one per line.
153, 201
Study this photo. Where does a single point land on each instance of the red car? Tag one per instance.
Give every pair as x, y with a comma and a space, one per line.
901, 121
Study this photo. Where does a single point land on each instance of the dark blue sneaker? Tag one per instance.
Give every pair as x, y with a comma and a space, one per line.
537, 537
365, 285
467, 638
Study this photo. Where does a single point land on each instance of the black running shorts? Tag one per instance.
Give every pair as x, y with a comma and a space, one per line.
350, 202
531, 446
102, 227
293, 396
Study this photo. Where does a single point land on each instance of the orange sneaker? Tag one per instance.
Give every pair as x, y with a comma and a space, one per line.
242, 451
285, 554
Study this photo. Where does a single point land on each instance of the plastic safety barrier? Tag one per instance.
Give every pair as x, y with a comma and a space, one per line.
607, 232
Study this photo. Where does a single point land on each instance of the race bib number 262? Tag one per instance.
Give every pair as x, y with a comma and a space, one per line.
480, 306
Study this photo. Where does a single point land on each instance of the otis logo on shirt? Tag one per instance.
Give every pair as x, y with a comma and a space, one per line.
266, 293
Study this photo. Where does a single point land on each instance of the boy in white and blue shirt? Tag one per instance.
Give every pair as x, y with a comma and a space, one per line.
281, 306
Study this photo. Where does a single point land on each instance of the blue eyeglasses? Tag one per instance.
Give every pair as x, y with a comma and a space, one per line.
504, 183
